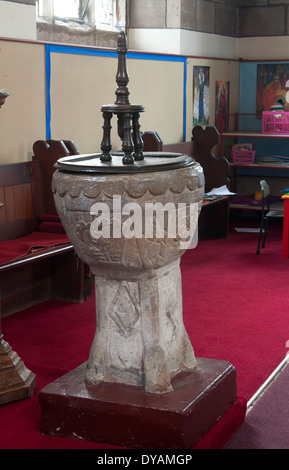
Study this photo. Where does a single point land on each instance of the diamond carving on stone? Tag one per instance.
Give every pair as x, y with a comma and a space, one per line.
125, 309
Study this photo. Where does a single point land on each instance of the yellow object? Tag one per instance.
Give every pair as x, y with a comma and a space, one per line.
258, 196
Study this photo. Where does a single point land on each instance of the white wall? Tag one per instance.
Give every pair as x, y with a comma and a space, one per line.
263, 48
192, 43
207, 45
183, 42
163, 41
17, 20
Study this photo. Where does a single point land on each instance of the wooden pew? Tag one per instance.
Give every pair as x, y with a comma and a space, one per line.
47, 152
214, 217
152, 142
50, 269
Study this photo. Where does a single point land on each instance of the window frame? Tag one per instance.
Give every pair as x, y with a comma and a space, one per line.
45, 11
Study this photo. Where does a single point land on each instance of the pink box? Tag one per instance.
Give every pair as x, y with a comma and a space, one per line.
243, 156
275, 122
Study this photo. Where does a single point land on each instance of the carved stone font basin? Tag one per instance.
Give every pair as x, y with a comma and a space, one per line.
131, 228
130, 216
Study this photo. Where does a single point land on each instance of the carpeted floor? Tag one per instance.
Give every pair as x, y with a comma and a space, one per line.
235, 307
236, 303
266, 424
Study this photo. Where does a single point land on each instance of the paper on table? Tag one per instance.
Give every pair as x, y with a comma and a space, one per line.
221, 191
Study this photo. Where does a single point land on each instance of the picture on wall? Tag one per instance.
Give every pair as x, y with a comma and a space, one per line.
271, 86
201, 95
222, 104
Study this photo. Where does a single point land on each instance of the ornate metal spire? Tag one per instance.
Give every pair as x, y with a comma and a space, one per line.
122, 78
127, 114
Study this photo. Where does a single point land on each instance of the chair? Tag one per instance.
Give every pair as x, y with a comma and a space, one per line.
267, 213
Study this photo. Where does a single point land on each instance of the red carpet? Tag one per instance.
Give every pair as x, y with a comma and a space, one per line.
12, 250
236, 304
50, 233
235, 308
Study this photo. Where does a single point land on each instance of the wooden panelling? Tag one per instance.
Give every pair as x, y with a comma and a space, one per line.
23, 201
22, 196
18, 203
9, 204
2, 212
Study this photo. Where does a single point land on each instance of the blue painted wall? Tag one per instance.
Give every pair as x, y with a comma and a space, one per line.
247, 104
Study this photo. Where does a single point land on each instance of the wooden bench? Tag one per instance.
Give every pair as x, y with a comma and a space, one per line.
214, 217
47, 152
37, 260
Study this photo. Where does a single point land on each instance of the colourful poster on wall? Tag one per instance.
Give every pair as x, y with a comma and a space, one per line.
201, 95
271, 86
222, 104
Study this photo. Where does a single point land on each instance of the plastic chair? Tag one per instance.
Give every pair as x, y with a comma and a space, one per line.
267, 213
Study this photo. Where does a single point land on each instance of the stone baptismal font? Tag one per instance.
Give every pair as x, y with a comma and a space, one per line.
130, 216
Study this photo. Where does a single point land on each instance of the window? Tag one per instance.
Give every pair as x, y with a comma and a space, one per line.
68, 9
85, 22
105, 13
63, 10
